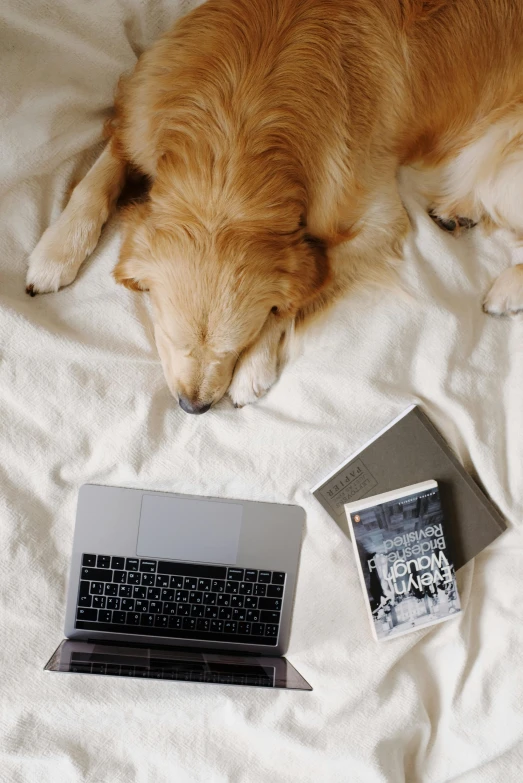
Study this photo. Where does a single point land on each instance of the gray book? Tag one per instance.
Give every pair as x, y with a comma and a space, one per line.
410, 450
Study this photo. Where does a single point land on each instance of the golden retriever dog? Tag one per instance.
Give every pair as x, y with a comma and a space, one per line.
271, 132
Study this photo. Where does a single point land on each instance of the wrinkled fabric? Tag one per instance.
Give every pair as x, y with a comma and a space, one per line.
83, 399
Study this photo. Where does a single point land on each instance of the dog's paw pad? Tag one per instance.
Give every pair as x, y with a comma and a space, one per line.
453, 225
506, 295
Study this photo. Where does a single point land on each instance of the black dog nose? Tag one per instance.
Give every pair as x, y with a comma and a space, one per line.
193, 407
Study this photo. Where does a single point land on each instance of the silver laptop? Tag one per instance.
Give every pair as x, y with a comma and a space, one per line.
177, 587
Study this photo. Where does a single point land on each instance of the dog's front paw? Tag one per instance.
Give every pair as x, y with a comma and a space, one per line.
55, 261
254, 375
506, 295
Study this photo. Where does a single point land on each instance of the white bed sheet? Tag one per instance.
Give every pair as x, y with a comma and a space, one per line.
82, 399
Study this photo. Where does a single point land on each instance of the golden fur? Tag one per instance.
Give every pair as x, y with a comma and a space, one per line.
271, 132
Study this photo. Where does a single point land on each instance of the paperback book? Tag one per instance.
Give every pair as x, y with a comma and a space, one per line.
404, 563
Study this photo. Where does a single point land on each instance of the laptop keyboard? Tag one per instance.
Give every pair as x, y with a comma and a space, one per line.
179, 600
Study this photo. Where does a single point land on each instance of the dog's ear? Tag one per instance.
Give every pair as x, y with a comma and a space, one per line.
131, 270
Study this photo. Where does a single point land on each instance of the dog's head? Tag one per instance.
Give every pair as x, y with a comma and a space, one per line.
212, 291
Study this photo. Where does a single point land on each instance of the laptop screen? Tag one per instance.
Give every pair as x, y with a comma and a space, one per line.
162, 663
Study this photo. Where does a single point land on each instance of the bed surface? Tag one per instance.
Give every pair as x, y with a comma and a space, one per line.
83, 399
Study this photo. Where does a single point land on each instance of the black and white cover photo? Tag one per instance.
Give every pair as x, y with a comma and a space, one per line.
404, 563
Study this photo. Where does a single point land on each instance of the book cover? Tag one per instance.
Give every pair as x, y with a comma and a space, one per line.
404, 563
406, 451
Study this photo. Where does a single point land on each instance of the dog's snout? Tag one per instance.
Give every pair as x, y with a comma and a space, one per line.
193, 407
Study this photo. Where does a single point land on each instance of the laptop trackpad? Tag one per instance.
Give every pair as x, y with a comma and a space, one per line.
183, 529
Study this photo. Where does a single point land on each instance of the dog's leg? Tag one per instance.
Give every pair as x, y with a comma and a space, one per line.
65, 245
257, 369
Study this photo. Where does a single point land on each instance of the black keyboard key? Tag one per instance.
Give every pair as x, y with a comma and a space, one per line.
225, 613
97, 588
85, 600
120, 577
84, 589
253, 615
189, 624
125, 591
211, 612
132, 564
147, 620
270, 617
138, 591
113, 603
141, 606
86, 614
167, 594
237, 600
250, 575
278, 578
155, 607
134, 578
222, 599
162, 580
274, 591
264, 576
89, 560
160, 621
169, 608
209, 598
133, 618
99, 602
148, 565
118, 563
190, 583
244, 628
216, 626
98, 668
127, 671
97, 574
104, 616
175, 622
111, 589
260, 589
218, 586
153, 593
181, 596
235, 573
232, 587
197, 610
204, 584
203, 625
195, 597
188, 569
183, 610
127, 604
257, 629
103, 561
271, 630
251, 601
245, 588
148, 580
270, 603
230, 627
176, 582
239, 614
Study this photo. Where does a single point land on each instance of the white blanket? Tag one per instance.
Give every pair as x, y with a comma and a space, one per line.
83, 399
